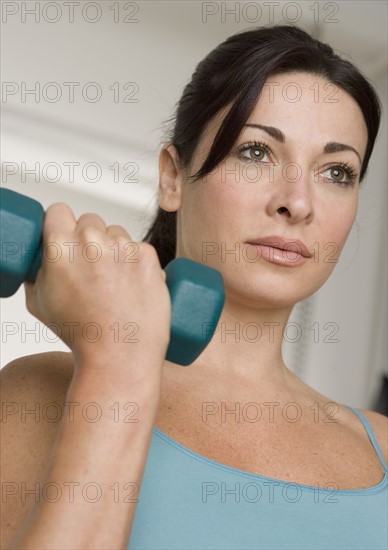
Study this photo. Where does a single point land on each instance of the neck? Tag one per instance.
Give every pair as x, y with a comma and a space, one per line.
244, 356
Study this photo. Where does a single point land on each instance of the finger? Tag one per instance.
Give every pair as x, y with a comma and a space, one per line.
90, 219
28, 294
118, 231
58, 218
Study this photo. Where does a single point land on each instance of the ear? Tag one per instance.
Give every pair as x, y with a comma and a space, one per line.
170, 179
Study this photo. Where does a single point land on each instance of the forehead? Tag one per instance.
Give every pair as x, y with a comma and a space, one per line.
305, 105
308, 109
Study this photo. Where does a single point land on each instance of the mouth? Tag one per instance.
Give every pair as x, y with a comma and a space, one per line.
281, 251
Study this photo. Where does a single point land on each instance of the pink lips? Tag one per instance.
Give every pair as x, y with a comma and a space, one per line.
281, 251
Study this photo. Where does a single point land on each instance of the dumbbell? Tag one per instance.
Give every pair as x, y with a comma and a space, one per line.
196, 291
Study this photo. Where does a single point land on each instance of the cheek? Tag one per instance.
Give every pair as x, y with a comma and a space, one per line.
198, 218
233, 200
345, 221
335, 228
209, 206
213, 212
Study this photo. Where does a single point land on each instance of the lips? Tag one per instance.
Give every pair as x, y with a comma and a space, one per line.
289, 245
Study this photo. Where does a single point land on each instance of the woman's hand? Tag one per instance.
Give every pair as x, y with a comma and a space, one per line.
94, 287
98, 289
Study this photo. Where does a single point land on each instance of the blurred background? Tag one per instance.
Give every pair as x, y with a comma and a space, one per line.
86, 90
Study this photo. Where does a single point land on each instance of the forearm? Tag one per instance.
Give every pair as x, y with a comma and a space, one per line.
97, 462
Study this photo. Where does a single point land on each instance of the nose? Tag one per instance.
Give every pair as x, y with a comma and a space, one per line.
291, 195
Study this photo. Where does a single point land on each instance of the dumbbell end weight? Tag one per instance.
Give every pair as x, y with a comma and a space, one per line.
196, 290
198, 294
21, 224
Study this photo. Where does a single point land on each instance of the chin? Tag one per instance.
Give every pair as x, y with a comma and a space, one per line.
270, 290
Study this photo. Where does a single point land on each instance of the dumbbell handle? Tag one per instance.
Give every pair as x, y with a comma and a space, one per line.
196, 291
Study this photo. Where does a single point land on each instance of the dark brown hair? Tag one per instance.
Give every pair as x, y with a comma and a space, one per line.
234, 73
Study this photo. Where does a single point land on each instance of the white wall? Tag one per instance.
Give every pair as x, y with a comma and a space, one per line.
159, 53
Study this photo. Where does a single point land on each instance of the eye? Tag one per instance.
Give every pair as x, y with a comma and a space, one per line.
341, 174
337, 174
254, 152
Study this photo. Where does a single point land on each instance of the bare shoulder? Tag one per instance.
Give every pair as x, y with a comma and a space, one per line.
33, 390
52, 368
379, 425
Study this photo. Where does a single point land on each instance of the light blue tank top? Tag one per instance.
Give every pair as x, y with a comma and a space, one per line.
189, 502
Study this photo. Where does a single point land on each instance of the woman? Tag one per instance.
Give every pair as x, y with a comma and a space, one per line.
271, 141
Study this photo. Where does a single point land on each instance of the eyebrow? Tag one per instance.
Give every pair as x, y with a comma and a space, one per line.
331, 147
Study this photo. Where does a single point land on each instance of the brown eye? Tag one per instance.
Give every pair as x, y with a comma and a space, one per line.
256, 153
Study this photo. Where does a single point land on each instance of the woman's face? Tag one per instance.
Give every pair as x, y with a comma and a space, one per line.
295, 177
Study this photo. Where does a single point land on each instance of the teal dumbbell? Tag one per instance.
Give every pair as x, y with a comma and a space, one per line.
197, 291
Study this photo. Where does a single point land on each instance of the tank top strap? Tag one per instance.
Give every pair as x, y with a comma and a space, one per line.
371, 435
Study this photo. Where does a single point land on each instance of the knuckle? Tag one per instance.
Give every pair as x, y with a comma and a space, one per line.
148, 252
91, 219
149, 258
52, 237
89, 234
124, 241
128, 250
118, 231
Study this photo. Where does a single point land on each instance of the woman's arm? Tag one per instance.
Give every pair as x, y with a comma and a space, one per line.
71, 482
94, 458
